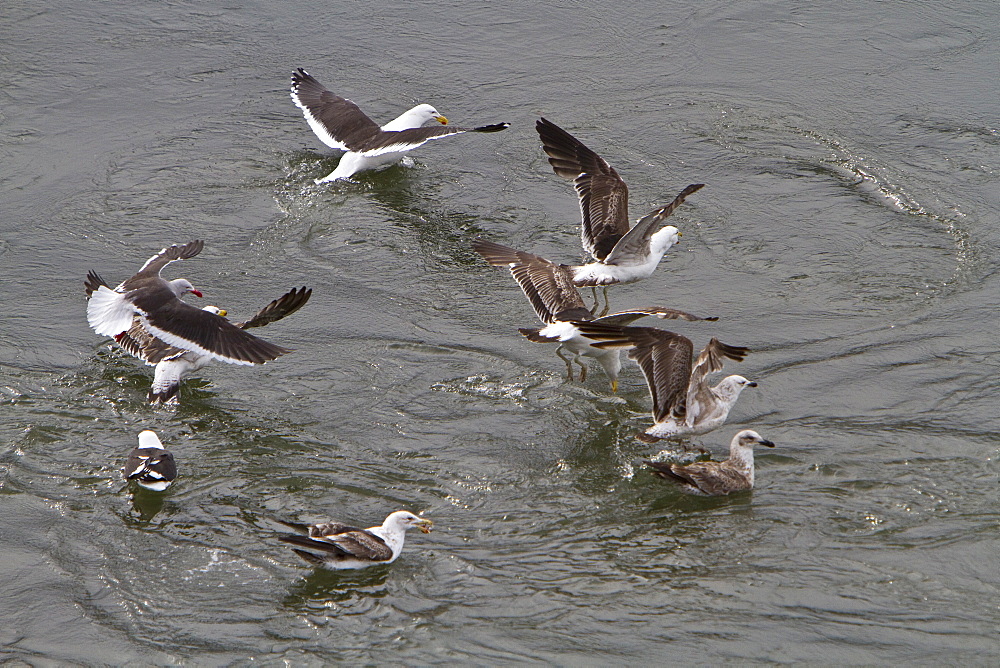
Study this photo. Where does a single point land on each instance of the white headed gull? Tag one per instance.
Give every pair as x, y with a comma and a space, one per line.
622, 254
549, 288
340, 124
156, 302
173, 364
709, 478
149, 464
339, 546
683, 401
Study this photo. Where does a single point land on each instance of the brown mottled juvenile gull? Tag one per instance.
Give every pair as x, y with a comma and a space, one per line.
549, 288
683, 401
710, 478
339, 546
340, 124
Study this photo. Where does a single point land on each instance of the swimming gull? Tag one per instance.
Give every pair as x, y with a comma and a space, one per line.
163, 315
340, 124
149, 464
341, 546
549, 288
683, 401
709, 478
173, 364
622, 253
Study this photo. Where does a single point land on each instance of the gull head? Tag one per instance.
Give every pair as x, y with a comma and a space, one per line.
749, 438
663, 239
149, 439
404, 520
182, 286
731, 386
216, 310
425, 112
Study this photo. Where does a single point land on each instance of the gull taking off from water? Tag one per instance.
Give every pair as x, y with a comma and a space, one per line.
734, 474
340, 124
622, 253
341, 546
549, 288
173, 364
683, 401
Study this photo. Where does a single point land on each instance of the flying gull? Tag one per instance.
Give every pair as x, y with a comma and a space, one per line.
173, 364
622, 253
683, 401
709, 478
340, 124
149, 464
340, 546
156, 302
549, 288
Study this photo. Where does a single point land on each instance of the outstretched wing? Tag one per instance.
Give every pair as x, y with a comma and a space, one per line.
635, 243
709, 361
285, 305
155, 264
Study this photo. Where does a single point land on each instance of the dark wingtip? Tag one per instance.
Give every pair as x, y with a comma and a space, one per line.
495, 127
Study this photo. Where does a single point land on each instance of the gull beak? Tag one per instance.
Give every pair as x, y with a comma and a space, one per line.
425, 525
752, 383
196, 293
679, 234
614, 385
766, 442
441, 119
223, 312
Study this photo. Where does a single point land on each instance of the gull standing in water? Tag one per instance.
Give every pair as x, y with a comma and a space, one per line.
340, 124
709, 478
683, 401
549, 287
341, 546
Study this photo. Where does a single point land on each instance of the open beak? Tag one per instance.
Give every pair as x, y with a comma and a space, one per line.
441, 119
425, 526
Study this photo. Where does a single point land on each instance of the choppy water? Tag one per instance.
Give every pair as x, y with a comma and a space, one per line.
847, 235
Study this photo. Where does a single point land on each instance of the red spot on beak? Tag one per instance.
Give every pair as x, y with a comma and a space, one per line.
196, 293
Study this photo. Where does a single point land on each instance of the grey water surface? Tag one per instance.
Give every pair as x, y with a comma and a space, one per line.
848, 235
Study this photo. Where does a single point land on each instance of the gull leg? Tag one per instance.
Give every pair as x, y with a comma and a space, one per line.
593, 293
569, 365
607, 302
583, 369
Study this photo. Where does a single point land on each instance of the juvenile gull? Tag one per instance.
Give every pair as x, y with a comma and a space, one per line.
683, 401
149, 464
622, 254
549, 288
156, 302
341, 546
709, 478
340, 124
173, 364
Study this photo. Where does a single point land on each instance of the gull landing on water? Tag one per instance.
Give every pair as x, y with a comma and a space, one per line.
173, 364
622, 254
341, 546
149, 464
734, 474
156, 304
340, 124
683, 401
549, 287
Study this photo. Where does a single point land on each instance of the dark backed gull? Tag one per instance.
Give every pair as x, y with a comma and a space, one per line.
683, 401
163, 315
340, 124
341, 546
549, 288
173, 364
709, 478
150, 465
622, 254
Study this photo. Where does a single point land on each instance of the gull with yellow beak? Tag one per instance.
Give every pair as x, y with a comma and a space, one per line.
340, 124
549, 287
339, 546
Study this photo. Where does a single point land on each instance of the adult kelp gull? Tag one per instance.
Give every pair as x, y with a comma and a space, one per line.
622, 253
683, 401
340, 124
549, 288
709, 478
163, 315
339, 546
149, 465
173, 364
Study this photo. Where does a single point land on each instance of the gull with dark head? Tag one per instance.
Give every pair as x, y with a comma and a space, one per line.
339, 546
622, 253
709, 478
340, 124
558, 304
154, 304
683, 401
173, 364
149, 465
